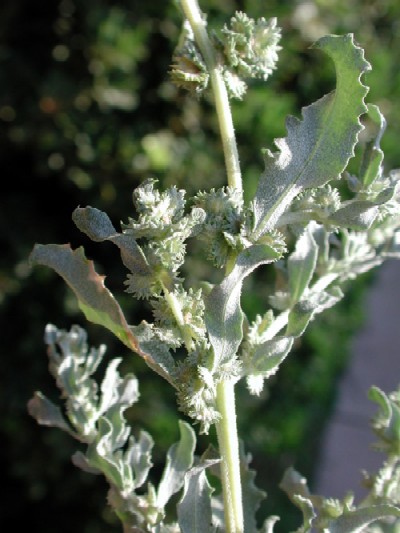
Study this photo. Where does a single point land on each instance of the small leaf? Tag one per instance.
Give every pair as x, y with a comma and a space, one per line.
194, 509
109, 385
269, 523
301, 264
252, 495
304, 311
98, 227
318, 148
47, 414
224, 316
266, 358
357, 214
355, 521
100, 454
138, 457
95, 300
79, 460
179, 461
371, 166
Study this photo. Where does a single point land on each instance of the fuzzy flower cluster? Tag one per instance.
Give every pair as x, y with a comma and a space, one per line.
245, 49
250, 50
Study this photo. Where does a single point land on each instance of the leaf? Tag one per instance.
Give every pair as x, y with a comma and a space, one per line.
252, 495
356, 214
100, 454
356, 521
304, 311
269, 523
223, 314
79, 460
317, 148
371, 165
138, 456
95, 300
98, 227
301, 264
295, 486
267, 357
179, 461
194, 508
47, 414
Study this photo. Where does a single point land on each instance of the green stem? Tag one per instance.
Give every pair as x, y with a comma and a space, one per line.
176, 309
198, 24
226, 429
230, 462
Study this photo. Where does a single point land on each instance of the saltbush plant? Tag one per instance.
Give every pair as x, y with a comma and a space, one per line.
310, 227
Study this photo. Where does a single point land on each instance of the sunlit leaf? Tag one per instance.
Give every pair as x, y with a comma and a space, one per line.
224, 316
317, 148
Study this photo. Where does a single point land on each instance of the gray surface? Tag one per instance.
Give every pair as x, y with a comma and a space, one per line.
375, 360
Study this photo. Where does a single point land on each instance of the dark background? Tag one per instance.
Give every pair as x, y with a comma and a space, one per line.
86, 114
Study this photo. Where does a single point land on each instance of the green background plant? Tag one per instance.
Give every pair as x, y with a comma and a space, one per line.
88, 114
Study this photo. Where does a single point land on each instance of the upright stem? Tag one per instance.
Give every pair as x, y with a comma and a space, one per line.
198, 24
226, 429
230, 463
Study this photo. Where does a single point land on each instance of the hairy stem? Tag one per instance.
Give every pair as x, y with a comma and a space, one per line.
226, 429
198, 24
230, 464
175, 307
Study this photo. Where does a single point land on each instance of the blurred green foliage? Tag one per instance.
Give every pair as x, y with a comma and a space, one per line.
87, 113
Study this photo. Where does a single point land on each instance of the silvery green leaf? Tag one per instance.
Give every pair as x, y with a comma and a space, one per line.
304, 311
307, 508
150, 344
387, 422
194, 508
128, 390
138, 456
179, 461
95, 300
295, 486
301, 264
218, 515
223, 315
269, 523
266, 358
355, 214
317, 148
100, 455
79, 460
98, 227
252, 496
371, 166
120, 430
47, 414
355, 521
109, 386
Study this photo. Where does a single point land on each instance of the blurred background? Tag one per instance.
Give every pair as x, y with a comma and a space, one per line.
87, 112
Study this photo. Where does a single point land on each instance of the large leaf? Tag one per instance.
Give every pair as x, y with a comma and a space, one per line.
317, 148
95, 300
224, 316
